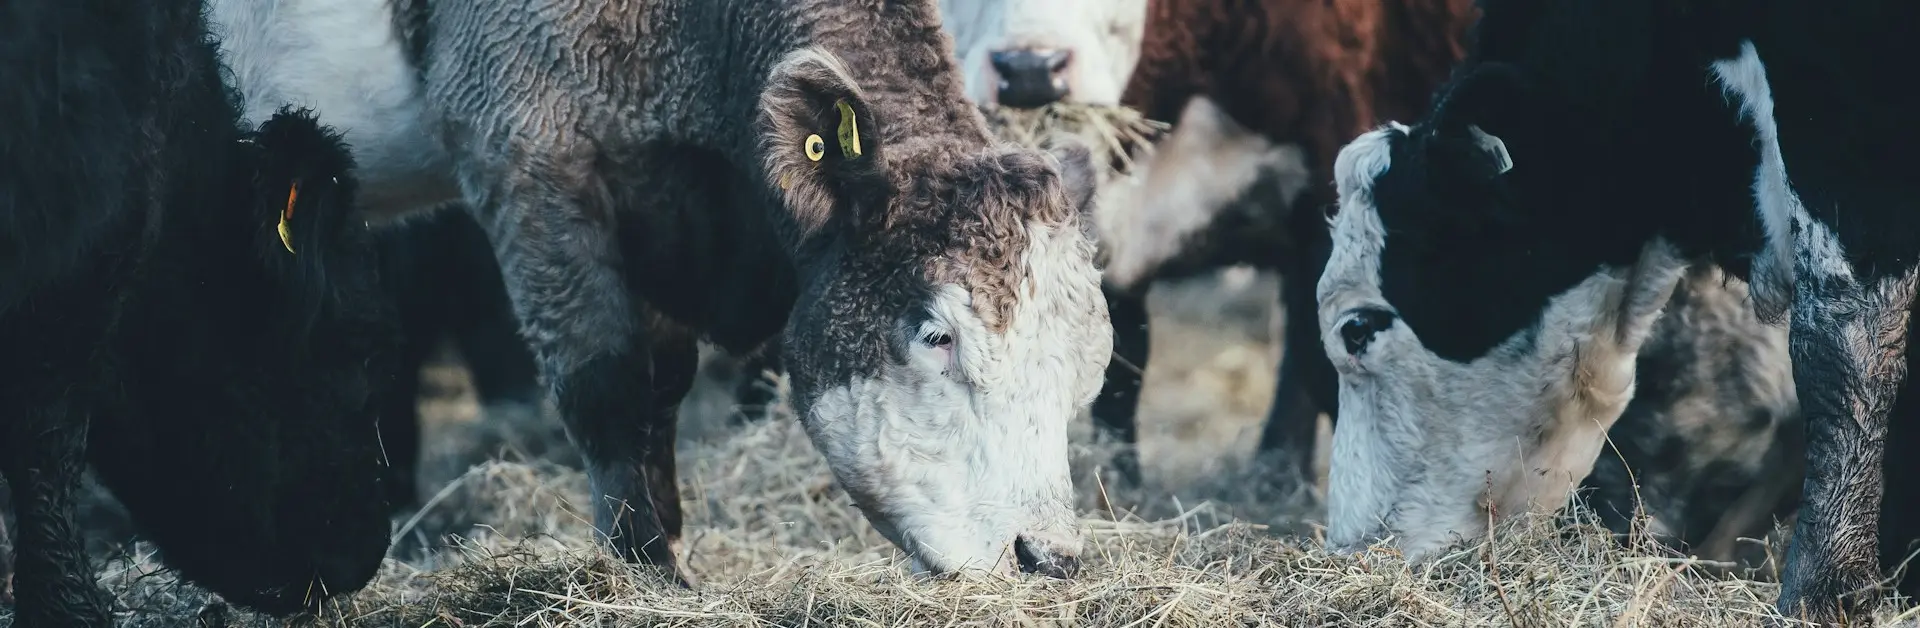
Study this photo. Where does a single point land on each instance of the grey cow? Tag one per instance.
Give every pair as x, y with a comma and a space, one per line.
655, 172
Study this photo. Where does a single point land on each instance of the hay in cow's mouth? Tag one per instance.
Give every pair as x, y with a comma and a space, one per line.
1115, 134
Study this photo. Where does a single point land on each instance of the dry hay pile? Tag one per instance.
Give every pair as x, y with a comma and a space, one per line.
776, 544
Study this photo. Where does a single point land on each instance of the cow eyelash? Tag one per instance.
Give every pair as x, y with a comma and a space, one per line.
938, 340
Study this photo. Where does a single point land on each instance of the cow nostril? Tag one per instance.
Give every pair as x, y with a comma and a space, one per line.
1041, 561
1362, 326
1057, 60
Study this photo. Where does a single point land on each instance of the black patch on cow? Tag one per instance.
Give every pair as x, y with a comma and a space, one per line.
1605, 158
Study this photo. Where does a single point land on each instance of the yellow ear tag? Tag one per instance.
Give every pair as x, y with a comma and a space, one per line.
286, 234
849, 130
816, 147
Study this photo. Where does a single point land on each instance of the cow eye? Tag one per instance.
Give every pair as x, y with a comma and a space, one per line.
938, 340
1330, 210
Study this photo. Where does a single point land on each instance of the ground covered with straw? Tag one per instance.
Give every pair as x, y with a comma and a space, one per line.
1213, 537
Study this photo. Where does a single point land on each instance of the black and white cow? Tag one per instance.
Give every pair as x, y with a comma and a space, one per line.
1498, 265
655, 172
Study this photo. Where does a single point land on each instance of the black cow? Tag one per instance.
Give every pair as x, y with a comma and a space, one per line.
1496, 266
154, 324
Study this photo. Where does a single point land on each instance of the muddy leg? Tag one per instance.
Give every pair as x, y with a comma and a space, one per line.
54, 583
1113, 410
1849, 343
676, 362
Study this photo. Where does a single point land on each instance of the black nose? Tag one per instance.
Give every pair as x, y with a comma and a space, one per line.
1360, 328
1031, 78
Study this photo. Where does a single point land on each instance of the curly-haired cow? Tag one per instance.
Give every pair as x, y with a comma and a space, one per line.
651, 173
156, 323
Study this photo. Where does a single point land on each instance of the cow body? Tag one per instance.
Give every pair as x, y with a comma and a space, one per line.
1495, 241
153, 321
652, 173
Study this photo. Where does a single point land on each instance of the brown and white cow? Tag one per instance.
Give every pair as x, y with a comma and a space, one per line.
655, 172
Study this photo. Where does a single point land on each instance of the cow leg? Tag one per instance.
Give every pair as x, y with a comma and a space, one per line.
1848, 342
1292, 424
483, 326
53, 583
753, 394
1119, 400
1900, 506
555, 238
400, 412
1307, 385
676, 363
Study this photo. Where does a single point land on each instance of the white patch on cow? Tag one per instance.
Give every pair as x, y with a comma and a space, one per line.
1102, 35
344, 60
1180, 187
1744, 77
1426, 446
959, 452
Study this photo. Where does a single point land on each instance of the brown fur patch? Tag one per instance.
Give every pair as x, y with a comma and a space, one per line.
930, 178
1327, 71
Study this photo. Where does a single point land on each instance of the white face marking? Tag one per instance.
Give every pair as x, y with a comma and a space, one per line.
1179, 188
1103, 36
1426, 445
1745, 78
344, 60
962, 450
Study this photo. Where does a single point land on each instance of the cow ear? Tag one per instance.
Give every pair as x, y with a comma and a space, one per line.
1494, 160
1489, 94
821, 142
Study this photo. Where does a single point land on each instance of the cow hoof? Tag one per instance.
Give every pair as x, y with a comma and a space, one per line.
213, 615
1824, 607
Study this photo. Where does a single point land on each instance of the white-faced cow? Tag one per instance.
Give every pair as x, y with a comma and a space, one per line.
650, 173
188, 307
1498, 265
1031, 53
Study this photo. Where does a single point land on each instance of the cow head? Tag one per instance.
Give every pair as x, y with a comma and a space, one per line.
1490, 285
261, 411
950, 321
1029, 53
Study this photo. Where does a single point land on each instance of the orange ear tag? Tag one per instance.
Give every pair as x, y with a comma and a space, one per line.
286, 234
